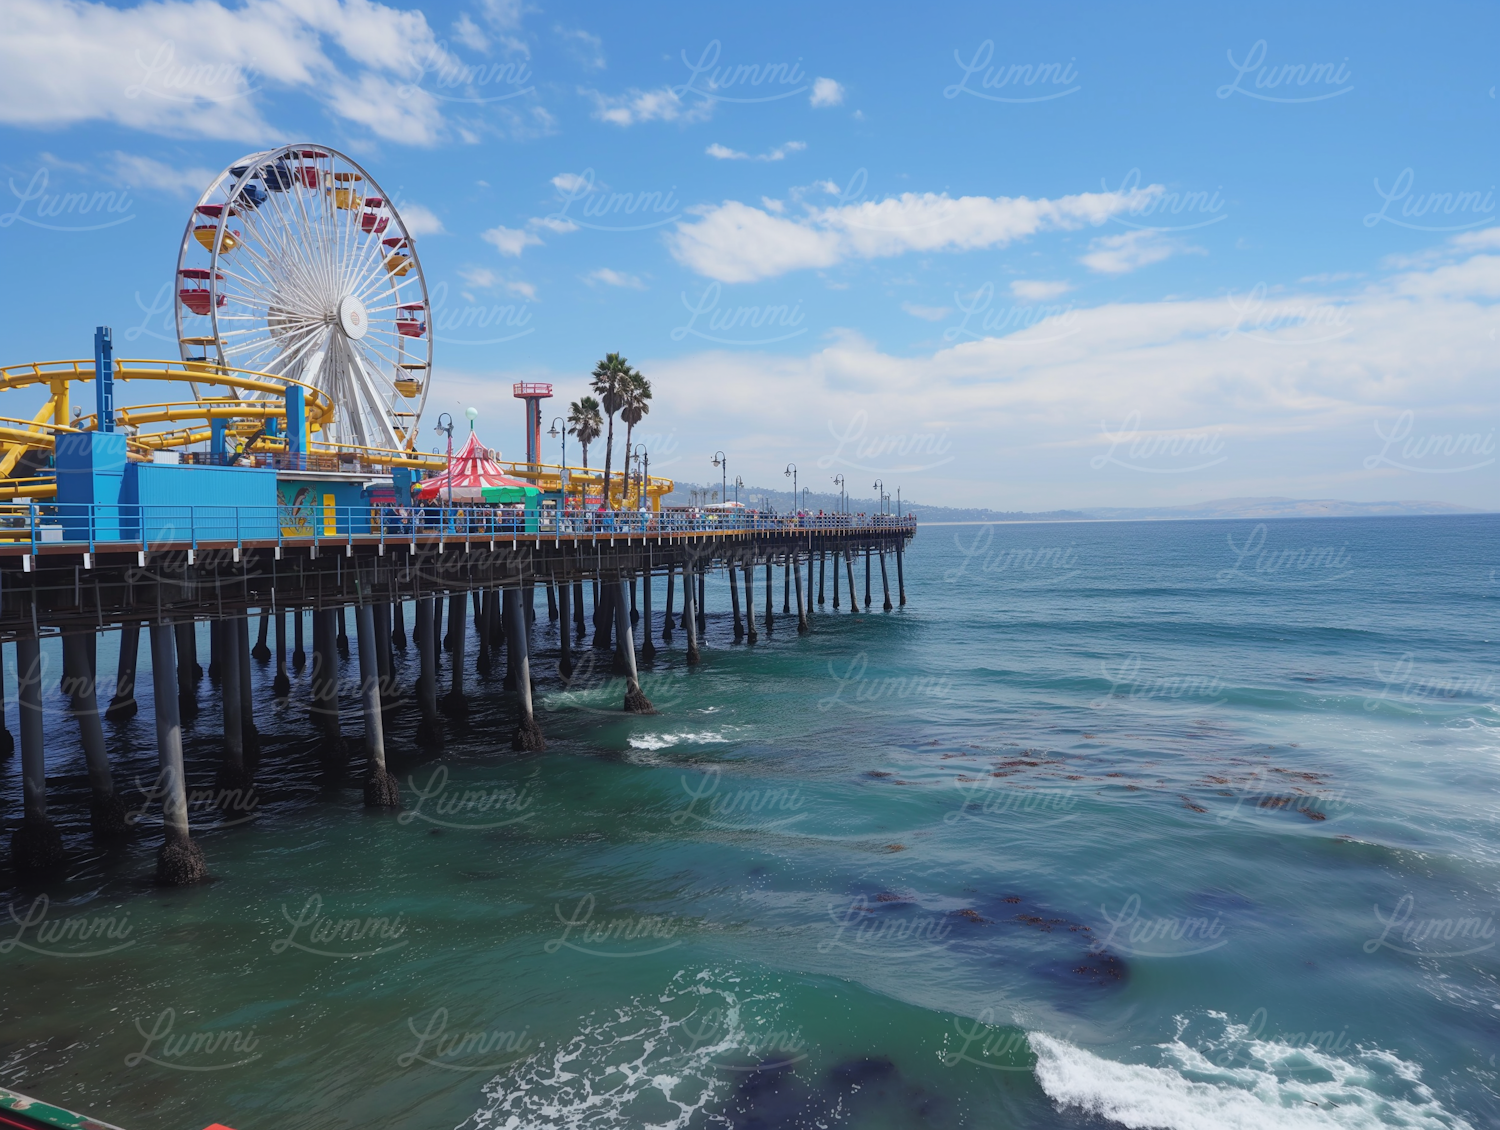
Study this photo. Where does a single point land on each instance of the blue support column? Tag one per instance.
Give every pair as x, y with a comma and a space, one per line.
217, 432
104, 379
296, 421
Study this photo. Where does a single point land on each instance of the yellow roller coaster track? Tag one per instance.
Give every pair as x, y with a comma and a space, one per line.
248, 417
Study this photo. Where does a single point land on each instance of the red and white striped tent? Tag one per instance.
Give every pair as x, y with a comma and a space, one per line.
472, 470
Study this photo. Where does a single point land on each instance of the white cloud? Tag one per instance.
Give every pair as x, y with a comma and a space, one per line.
478, 276
1035, 290
724, 153
587, 49
509, 241
149, 174
928, 313
1120, 254
614, 278
647, 106
197, 68
570, 182
826, 92
419, 220
734, 242
504, 15
524, 289
469, 33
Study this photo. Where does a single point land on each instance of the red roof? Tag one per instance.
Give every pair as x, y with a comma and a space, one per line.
473, 470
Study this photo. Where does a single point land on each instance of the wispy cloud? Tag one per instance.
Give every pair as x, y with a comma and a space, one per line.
148, 174
614, 278
926, 313
734, 242
724, 153
1121, 254
826, 92
636, 106
1035, 290
509, 241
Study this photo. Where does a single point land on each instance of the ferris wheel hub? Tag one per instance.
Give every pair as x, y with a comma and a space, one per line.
353, 319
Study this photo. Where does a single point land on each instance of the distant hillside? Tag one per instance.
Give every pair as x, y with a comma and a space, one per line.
1236, 508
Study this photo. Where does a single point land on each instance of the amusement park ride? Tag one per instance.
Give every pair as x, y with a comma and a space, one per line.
305, 331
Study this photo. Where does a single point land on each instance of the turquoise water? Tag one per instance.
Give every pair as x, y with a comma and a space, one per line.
1174, 824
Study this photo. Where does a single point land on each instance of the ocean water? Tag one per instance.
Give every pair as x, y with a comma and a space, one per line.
1183, 825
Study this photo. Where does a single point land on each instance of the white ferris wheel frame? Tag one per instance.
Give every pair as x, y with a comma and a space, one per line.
328, 280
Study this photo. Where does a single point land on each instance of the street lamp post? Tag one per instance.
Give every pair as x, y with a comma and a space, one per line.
721, 461
791, 472
643, 460
447, 429
843, 505
738, 482
898, 502
880, 487
562, 471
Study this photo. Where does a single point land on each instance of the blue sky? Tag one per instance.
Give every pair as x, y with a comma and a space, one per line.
1025, 257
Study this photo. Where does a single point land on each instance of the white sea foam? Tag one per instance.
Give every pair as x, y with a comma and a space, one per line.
655, 1062
1243, 1083
667, 741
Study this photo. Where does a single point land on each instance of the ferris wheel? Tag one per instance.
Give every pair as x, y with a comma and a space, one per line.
296, 263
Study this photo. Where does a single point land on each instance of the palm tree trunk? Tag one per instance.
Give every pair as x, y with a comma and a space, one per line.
609, 455
625, 494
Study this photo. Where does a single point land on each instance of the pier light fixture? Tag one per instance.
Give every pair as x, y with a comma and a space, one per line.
721, 461
791, 473
879, 486
843, 502
447, 429
562, 473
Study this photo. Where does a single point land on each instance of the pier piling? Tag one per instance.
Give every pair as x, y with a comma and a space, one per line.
398, 625
281, 686
123, 705
666, 628
381, 790
734, 601
565, 630
835, 579
106, 811
528, 735
689, 619
187, 685
822, 568
299, 657
635, 701
796, 571
36, 846
750, 632
867, 576
455, 703
648, 649
769, 595
429, 729
233, 778
179, 860
900, 576
260, 651
849, 573
885, 582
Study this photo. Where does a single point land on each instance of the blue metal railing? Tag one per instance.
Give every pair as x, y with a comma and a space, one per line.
79, 524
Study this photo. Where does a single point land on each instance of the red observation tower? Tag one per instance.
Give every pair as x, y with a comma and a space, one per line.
533, 395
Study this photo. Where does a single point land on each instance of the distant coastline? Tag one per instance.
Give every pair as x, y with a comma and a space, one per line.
1238, 509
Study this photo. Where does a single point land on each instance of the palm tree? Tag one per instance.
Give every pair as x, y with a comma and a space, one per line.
609, 379
585, 423
635, 402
